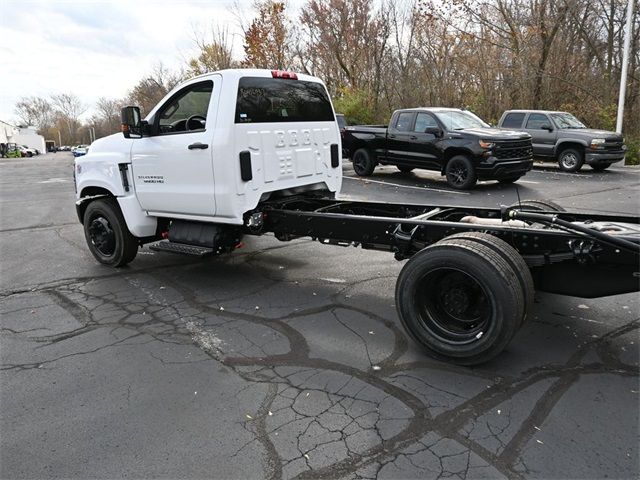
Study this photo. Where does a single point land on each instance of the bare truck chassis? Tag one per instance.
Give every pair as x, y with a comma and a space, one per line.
472, 272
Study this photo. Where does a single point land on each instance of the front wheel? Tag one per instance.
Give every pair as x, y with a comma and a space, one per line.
460, 173
363, 162
460, 300
107, 235
570, 160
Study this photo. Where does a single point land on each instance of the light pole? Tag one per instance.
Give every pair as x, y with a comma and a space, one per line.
625, 66
59, 139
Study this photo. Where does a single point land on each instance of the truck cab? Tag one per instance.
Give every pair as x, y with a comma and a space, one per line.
210, 151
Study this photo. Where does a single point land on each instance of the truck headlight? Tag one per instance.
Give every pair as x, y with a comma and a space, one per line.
597, 143
485, 144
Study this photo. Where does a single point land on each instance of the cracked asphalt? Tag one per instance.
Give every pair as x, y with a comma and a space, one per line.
287, 360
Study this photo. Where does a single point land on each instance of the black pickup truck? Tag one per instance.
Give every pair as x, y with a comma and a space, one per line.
452, 141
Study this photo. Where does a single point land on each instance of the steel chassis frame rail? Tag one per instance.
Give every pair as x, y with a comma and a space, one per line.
561, 260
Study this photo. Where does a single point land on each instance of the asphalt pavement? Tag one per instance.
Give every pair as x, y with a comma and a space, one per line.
288, 360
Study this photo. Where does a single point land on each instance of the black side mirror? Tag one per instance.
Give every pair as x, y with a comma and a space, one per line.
131, 122
547, 126
434, 131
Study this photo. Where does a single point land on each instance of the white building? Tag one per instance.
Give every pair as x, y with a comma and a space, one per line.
22, 136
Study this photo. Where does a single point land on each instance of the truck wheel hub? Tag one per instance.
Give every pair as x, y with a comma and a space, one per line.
102, 235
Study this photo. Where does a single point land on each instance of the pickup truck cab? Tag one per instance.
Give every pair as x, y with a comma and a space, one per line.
562, 137
213, 149
453, 141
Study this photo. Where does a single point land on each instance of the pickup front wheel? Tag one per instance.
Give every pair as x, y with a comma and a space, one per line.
107, 234
460, 173
363, 162
570, 160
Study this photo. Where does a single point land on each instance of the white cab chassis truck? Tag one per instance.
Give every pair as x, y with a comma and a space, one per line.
248, 152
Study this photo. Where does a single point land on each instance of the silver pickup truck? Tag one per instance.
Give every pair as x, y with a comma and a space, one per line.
562, 137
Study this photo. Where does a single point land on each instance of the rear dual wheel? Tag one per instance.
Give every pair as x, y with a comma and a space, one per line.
464, 298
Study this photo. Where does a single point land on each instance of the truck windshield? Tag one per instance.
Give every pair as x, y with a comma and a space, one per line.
457, 120
566, 120
264, 100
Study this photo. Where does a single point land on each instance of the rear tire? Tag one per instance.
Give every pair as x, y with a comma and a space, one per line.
511, 256
570, 160
363, 162
107, 235
460, 173
460, 300
404, 169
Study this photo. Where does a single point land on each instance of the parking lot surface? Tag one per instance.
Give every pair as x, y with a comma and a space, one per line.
287, 360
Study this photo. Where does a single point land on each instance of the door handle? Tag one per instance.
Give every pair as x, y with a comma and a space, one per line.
198, 146
392, 136
413, 137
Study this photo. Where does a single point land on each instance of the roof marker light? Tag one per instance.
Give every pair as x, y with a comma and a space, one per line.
284, 75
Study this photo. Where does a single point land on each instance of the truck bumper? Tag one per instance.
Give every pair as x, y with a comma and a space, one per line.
603, 158
493, 168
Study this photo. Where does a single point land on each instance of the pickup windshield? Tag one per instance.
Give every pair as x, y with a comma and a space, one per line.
456, 120
566, 120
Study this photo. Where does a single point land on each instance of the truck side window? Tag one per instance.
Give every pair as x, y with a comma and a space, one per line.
424, 121
404, 121
186, 111
537, 120
513, 120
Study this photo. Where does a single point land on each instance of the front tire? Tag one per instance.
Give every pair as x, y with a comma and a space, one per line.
363, 162
460, 300
461, 173
570, 160
107, 235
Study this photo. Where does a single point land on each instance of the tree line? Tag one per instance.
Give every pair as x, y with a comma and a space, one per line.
379, 55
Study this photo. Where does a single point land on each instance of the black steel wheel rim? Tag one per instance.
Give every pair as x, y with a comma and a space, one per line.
102, 236
453, 306
458, 173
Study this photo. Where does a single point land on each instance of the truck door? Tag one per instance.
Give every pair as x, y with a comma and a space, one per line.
398, 138
172, 168
543, 135
421, 151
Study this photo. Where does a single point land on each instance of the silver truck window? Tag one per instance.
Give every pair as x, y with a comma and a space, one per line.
265, 100
537, 120
513, 120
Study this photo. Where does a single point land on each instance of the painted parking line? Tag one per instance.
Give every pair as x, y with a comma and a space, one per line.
528, 181
366, 180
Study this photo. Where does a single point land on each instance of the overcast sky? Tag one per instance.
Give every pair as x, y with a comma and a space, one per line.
97, 48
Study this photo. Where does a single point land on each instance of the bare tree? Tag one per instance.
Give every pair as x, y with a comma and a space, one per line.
68, 109
213, 54
35, 111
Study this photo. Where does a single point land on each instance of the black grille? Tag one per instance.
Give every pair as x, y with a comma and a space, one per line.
513, 150
613, 144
